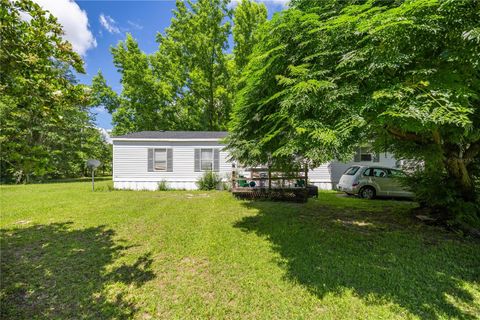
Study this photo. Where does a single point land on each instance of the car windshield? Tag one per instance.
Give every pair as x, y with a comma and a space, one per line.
351, 171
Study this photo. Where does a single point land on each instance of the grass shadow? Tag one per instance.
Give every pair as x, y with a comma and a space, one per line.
379, 255
53, 271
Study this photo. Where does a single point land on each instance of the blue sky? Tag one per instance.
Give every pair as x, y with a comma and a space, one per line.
94, 26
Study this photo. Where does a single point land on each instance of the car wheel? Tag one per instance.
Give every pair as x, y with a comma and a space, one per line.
367, 193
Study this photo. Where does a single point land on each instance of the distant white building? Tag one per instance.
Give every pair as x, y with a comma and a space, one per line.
143, 159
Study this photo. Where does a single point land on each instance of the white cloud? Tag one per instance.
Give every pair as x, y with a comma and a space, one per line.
74, 21
135, 25
109, 24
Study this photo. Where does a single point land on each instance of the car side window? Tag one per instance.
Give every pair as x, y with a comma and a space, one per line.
379, 173
367, 172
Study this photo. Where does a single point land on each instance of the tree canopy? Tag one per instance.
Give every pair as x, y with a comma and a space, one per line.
401, 74
248, 16
189, 82
46, 127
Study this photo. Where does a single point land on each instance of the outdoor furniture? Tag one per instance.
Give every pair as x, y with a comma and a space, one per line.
273, 184
243, 183
300, 184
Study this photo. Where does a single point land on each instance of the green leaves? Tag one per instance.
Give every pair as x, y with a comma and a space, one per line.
248, 16
44, 112
327, 75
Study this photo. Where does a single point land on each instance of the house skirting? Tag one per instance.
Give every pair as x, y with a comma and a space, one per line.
153, 185
188, 185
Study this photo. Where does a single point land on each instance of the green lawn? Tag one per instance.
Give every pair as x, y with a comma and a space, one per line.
69, 253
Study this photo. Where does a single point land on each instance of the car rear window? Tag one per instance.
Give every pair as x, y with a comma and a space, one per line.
351, 171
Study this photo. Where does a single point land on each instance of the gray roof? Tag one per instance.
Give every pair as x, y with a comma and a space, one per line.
174, 135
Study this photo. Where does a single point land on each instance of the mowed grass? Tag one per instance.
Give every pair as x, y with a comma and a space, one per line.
68, 253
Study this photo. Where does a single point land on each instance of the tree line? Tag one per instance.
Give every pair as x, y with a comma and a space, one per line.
47, 128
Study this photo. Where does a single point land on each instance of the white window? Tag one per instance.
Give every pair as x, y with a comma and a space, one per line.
160, 160
206, 159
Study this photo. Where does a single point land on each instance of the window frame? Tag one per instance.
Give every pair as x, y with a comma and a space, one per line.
366, 151
354, 168
155, 150
387, 172
210, 160
370, 172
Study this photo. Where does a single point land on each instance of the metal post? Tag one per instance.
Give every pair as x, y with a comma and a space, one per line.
93, 180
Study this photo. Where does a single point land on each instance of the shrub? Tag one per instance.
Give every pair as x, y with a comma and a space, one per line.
433, 189
209, 181
227, 186
162, 186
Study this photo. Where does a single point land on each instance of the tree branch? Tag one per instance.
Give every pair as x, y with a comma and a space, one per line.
406, 135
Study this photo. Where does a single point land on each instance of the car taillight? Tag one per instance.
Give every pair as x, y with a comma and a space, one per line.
355, 184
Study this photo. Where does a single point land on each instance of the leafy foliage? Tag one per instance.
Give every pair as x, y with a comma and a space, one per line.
444, 198
163, 186
247, 17
185, 85
404, 74
46, 128
188, 83
209, 181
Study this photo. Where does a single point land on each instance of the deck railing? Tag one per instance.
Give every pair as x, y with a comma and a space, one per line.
271, 184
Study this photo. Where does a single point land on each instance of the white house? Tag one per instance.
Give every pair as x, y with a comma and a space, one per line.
143, 159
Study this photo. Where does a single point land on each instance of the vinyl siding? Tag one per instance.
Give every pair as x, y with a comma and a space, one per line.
130, 161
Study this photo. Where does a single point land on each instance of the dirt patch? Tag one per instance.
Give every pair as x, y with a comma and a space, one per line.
23, 222
200, 195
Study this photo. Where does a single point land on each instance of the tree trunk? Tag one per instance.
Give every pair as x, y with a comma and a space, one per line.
457, 170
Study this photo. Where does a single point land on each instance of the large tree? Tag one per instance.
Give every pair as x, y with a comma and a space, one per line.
185, 85
192, 60
43, 111
248, 16
144, 102
404, 74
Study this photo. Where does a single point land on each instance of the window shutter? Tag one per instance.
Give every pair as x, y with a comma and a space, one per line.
357, 158
170, 160
216, 160
150, 160
376, 157
197, 160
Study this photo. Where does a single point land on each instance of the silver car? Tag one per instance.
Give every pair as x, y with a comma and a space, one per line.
371, 181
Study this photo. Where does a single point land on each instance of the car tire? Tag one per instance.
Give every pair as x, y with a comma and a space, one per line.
367, 193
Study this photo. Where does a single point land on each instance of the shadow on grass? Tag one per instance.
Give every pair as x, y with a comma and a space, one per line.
52, 271
380, 257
